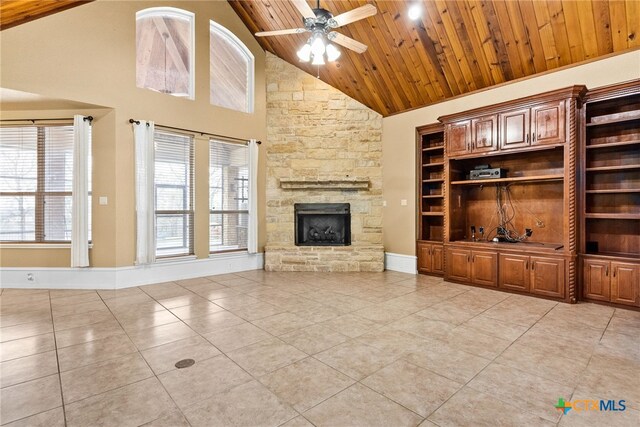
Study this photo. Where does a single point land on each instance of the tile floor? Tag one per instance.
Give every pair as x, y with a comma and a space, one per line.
300, 349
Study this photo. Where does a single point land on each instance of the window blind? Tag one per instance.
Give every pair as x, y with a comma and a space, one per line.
36, 176
228, 195
173, 184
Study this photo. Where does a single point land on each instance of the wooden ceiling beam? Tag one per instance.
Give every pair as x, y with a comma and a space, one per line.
17, 12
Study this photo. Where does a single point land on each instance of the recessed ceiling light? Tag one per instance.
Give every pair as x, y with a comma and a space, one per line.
415, 11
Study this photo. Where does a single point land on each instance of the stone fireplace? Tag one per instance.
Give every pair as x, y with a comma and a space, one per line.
323, 149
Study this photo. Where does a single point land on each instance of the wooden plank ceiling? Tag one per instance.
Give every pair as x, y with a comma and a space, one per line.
456, 47
16, 12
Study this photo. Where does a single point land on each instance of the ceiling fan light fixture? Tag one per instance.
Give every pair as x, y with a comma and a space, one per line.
317, 46
318, 60
304, 54
333, 53
415, 11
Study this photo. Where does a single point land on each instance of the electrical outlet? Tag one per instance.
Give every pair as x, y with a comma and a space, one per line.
31, 277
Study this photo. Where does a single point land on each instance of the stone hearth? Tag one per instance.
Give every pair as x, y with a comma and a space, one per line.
322, 147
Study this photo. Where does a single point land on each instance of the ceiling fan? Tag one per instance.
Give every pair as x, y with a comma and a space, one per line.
321, 23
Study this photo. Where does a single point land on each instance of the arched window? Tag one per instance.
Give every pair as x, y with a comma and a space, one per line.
165, 51
231, 70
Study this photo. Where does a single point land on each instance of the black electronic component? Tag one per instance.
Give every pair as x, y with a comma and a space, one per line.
487, 173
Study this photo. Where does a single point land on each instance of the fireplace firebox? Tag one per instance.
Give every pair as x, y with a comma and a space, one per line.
322, 224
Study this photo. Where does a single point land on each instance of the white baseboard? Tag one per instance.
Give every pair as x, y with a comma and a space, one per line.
401, 263
125, 277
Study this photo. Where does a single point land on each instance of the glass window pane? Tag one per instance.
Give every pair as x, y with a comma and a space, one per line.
57, 218
228, 231
164, 51
18, 159
58, 154
17, 218
172, 234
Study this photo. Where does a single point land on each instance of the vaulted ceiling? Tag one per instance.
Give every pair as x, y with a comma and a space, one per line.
454, 48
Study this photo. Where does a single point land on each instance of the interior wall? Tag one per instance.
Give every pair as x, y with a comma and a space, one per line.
88, 54
399, 134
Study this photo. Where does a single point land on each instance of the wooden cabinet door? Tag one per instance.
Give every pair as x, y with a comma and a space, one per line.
548, 123
437, 259
547, 276
458, 264
484, 268
595, 278
514, 127
625, 281
514, 272
484, 134
424, 257
458, 137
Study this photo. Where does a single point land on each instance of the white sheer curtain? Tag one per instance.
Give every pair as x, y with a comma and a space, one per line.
80, 195
145, 197
252, 239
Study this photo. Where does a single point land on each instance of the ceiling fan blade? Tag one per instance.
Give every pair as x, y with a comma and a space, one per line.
280, 32
347, 42
304, 8
353, 15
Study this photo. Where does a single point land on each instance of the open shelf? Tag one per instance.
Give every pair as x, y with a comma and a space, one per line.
612, 216
438, 148
433, 180
627, 117
614, 191
440, 164
613, 168
613, 144
433, 196
432, 213
538, 178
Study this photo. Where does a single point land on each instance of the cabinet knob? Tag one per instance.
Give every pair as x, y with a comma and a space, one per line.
533, 265
527, 138
606, 271
526, 265
533, 137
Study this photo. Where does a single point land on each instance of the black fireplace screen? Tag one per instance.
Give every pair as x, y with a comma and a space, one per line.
322, 224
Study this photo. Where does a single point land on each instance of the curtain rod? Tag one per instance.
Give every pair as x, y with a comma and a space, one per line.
90, 118
191, 131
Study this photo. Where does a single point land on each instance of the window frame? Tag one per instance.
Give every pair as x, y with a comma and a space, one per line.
175, 13
241, 188
215, 28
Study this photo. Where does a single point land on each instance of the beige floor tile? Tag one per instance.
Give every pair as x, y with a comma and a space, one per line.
415, 388
609, 376
476, 342
120, 304
316, 313
621, 325
28, 368
165, 290
620, 345
496, 328
298, 421
132, 322
23, 301
392, 341
181, 301
131, 405
235, 337
96, 351
159, 335
173, 418
249, 404
30, 398
627, 418
355, 359
82, 334
447, 361
448, 311
266, 356
281, 324
50, 418
305, 383
63, 293
257, 311
411, 302
98, 378
533, 392
214, 322
236, 301
26, 347
106, 294
66, 310
31, 316
205, 286
25, 330
381, 314
314, 339
422, 327
473, 408
198, 309
360, 406
82, 298
164, 357
203, 380
351, 325
215, 294
75, 320
17, 291
186, 283
9, 310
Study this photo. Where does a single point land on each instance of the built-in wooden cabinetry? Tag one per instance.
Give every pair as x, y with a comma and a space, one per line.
568, 193
610, 194
430, 155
